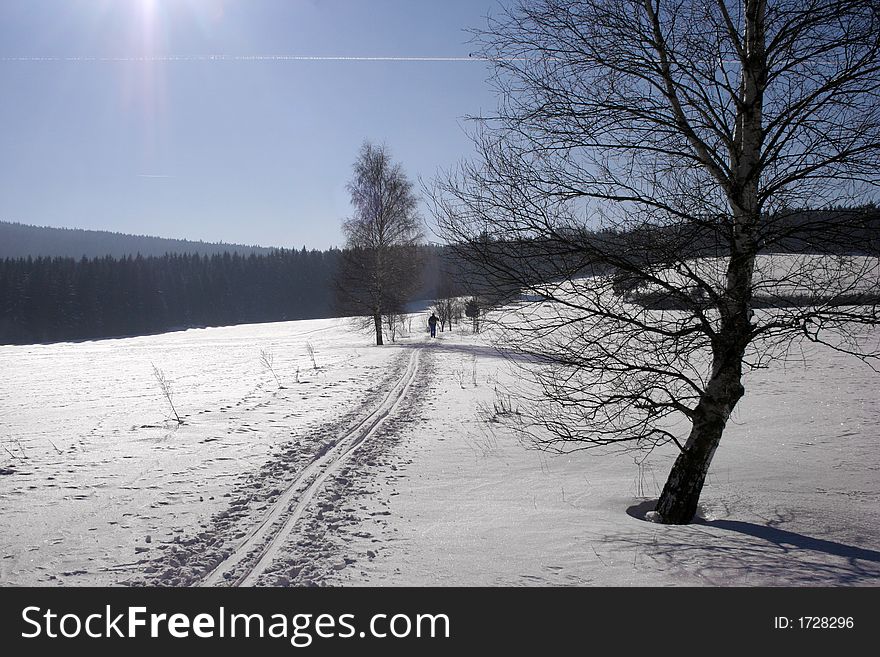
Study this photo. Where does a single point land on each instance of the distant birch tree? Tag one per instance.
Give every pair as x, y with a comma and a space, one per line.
381, 263
644, 155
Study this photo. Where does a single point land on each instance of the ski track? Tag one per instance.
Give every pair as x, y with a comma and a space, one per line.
262, 544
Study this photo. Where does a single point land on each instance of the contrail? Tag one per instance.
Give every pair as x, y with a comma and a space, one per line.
260, 58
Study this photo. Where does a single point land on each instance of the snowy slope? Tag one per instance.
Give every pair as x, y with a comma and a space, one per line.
384, 466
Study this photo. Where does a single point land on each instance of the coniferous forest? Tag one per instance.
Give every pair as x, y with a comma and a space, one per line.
48, 299
54, 299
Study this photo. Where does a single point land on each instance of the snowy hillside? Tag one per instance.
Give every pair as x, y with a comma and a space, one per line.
385, 466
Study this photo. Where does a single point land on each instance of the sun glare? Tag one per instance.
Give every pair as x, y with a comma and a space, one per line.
148, 11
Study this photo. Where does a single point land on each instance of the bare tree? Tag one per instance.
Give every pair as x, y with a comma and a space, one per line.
447, 306
473, 309
395, 324
310, 349
662, 184
381, 263
267, 360
448, 311
167, 388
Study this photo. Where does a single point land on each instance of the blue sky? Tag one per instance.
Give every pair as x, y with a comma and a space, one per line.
114, 117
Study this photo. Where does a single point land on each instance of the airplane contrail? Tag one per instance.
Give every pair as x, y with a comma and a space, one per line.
261, 58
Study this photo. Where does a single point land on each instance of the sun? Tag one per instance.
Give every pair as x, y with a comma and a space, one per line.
148, 9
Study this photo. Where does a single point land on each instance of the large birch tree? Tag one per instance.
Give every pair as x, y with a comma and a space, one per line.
646, 159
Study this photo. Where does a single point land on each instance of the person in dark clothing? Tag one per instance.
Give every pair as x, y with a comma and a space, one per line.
432, 324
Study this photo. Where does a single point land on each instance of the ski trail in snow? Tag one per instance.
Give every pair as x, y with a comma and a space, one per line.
267, 539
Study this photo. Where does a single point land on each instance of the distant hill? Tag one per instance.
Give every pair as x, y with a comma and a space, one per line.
21, 240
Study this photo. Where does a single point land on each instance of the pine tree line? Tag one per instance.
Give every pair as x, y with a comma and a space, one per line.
57, 299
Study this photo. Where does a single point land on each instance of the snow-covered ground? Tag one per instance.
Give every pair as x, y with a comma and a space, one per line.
385, 466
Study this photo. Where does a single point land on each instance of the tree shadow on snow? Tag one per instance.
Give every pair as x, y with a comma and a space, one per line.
735, 552
782, 538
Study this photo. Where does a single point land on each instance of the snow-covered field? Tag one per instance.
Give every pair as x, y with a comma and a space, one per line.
382, 466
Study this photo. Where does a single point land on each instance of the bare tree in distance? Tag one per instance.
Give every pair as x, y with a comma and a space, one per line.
310, 349
473, 308
167, 388
394, 325
646, 158
381, 262
267, 360
446, 309
447, 306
